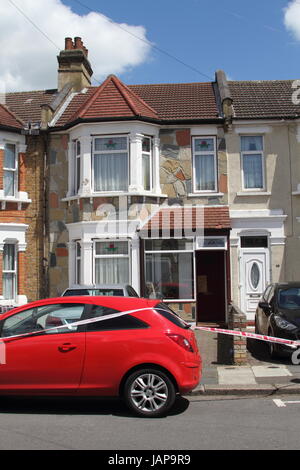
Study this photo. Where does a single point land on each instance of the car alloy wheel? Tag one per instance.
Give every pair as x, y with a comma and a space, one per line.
149, 392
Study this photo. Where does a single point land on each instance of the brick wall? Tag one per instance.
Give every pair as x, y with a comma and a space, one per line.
237, 320
31, 280
35, 282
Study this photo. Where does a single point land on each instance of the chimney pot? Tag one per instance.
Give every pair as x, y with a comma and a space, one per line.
78, 43
68, 44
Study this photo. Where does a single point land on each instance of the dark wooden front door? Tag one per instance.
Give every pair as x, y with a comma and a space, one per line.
211, 286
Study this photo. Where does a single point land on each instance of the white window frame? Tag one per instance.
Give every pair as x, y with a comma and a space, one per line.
11, 170
192, 250
204, 152
253, 152
77, 160
150, 156
98, 152
77, 262
14, 271
201, 245
95, 256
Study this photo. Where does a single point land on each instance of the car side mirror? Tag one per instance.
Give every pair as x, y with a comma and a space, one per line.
264, 305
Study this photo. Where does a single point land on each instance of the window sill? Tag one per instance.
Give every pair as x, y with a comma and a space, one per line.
112, 194
19, 200
205, 194
253, 193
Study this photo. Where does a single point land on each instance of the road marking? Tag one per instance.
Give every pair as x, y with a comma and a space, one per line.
279, 403
282, 404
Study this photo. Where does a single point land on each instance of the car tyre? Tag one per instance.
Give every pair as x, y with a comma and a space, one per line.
256, 327
272, 348
149, 393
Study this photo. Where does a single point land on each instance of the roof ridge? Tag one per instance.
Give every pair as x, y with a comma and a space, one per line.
287, 80
127, 90
90, 101
54, 90
171, 83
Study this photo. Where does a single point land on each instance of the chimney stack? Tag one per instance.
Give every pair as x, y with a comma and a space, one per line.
74, 66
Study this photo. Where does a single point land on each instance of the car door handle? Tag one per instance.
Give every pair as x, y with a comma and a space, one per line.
66, 347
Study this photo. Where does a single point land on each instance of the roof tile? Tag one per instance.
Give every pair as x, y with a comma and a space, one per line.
169, 102
263, 99
9, 119
171, 218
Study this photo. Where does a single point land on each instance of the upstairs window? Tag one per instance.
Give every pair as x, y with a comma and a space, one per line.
147, 164
110, 163
252, 162
77, 165
204, 164
10, 170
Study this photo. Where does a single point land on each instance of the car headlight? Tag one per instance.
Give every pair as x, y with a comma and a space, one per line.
284, 324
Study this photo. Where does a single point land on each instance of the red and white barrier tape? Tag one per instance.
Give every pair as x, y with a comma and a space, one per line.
292, 343
246, 334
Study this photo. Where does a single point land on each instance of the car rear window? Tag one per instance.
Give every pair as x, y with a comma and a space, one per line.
289, 298
172, 316
124, 322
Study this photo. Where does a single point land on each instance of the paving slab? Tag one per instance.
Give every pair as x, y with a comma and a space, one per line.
271, 371
236, 375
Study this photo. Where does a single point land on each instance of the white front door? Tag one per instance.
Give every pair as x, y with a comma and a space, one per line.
254, 277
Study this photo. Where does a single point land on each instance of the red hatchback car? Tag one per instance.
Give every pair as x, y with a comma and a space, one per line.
146, 356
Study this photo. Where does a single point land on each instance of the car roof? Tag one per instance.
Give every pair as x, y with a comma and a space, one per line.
99, 286
288, 284
118, 303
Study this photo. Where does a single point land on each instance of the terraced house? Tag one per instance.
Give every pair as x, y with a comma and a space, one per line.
21, 210
188, 192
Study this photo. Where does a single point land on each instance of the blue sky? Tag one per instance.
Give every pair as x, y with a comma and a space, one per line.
246, 39
257, 40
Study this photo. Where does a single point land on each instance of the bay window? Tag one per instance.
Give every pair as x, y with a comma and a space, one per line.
204, 164
121, 159
252, 162
110, 163
169, 269
112, 264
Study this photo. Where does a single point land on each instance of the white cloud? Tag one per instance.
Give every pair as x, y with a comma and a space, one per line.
28, 60
292, 18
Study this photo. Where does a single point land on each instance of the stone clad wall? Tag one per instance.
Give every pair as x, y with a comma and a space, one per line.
58, 215
176, 167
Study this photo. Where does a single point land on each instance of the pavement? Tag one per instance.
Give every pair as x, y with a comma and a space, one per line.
261, 375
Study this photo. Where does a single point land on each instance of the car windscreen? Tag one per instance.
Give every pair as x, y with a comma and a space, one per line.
172, 316
95, 292
289, 298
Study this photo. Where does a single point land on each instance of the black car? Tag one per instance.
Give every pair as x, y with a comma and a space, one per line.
118, 290
278, 314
